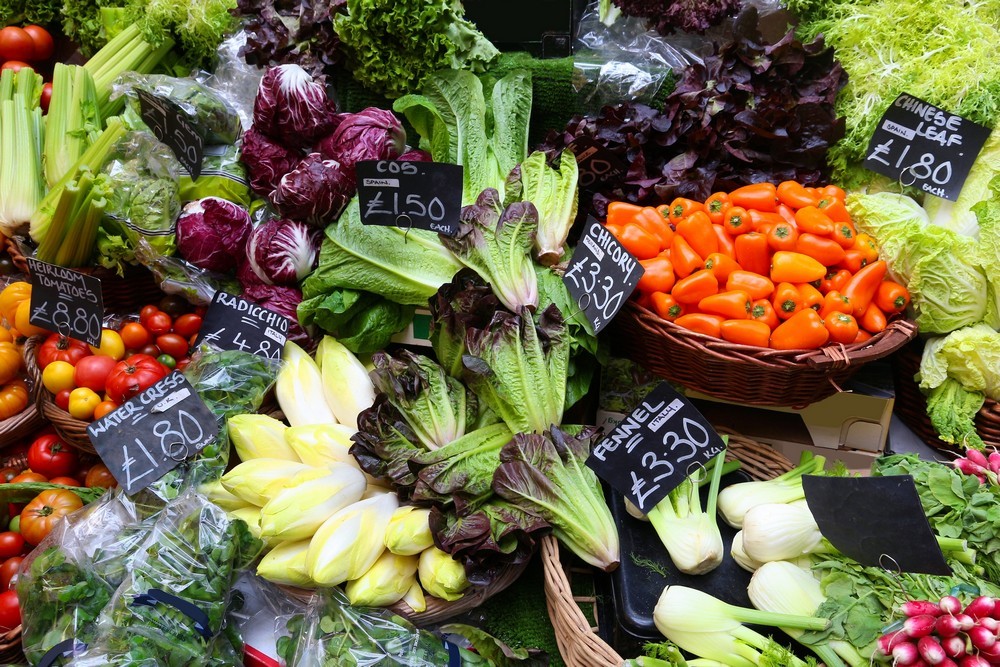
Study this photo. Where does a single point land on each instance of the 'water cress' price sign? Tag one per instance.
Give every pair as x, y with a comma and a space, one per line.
597, 164
66, 301
168, 123
655, 448
232, 323
921, 145
153, 433
602, 275
418, 195
851, 514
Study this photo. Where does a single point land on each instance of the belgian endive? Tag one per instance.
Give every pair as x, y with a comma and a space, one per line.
385, 582
260, 437
286, 564
299, 389
295, 512
258, 480
346, 386
350, 541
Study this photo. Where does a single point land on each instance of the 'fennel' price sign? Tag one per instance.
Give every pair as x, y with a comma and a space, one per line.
410, 195
66, 301
926, 147
660, 443
232, 323
168, 123
153, 433
602, 275
851, 515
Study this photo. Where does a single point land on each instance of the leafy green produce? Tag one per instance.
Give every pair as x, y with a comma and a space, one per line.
392, 47
20, 12
953, 409
215, 120
363, 322
197, 26
554, 194
73, 120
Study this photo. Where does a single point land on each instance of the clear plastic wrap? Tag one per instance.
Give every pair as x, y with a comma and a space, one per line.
222, 175
177, 276
236, 80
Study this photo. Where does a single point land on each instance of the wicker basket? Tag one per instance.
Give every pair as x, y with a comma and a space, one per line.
10, 648
72, 431
578, 642
742, 373
911, 404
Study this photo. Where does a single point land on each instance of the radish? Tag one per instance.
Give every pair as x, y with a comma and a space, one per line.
965, 621
889, 641
994, 462
977, 457
950, 605
982, 638
905, 654
973, 661
967, 467
930, 650
981, 606
954, 647
947, 662
947, 626
920, 607
989, 623
916, 627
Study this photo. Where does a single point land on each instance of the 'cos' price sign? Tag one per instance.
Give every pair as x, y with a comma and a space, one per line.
153, 433
66, 301
418, 195
655, 448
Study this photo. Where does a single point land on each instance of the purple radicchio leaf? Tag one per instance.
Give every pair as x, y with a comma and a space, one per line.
316, 191
283, 252
291, 108
266, 161
212, 233
370, 134
384, 445
284, 301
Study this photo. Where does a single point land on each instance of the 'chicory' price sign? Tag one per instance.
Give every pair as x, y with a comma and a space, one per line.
169, 124
66, 301
232, 323
655, 448
596, 163
153, 433
923, 146
602, 275
418, 195
851, 514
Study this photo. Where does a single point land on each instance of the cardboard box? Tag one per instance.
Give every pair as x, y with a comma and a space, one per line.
416, 332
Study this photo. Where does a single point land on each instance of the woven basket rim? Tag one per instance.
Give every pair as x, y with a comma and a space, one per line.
73, 431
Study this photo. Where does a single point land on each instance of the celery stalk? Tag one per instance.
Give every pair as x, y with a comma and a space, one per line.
21, 187
127, 52
68, 202
72, 120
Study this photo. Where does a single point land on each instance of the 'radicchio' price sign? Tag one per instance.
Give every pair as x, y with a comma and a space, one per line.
66, 301
410, 195
655, 448
153, 433
926, 147
602, 275
232, 323
168, 123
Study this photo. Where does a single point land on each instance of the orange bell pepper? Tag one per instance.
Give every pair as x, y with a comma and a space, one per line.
736, 221
753, 253
811, 297
824, 250
854, 260
760, 196
726, 245
754, 284
891, 297
658, 276
721, 266
681, 208
787, 300
621, 213
716, 206
835, 302
734, 305
786, 213
794, 267
804, 330
695, 287
834, 192
866, 244
653, 222
863, 285
763, 311
783, 236
703, 323
641, 243
666, 306
686, 260
835, 209
843, 234
794, 195
760, 219
873, 320
835, 280
814, 221
746, 332
843, 328
696, 229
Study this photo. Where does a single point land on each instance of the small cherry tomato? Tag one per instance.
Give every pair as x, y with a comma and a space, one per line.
42, 41
173, 344
62, 399
100, 476
146, 312
134, 335
167, 361
182, 364
150, 350
9, 569
14, 65
104, 407
82, 403
10, 610
11, 544
174, 305
29, 476
46, 97
159, 323
187, 325
15, 523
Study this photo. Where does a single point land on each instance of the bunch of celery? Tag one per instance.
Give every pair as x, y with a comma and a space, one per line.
127, 52
21, 186
73, 122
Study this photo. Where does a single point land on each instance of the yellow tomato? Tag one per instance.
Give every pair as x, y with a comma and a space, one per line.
82, 402
111, 345
58, 375
21, 320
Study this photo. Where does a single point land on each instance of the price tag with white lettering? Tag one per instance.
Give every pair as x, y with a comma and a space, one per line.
596, 163
168, 123
655, 448
66, 301
410, 195
602, 275
232, 323
926, 147
153, 433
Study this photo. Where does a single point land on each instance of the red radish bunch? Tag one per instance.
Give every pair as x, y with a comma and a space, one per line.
986, 468
945, 634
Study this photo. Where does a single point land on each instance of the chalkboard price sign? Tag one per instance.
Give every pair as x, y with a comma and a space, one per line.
417, 195
660, 443
168, 123
596, 163
232, 323
153, 433
926, 147
66, 301
602, 275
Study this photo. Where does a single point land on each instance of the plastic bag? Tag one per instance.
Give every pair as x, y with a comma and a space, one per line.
234, 79
177, 276
222, 175
253, 612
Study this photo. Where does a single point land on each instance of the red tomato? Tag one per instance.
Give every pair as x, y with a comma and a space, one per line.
51, 457
150, 350
100, 476
7, 571
182, 364
173, 344
16, 44
134, 335
10, 610
187, 325
159, 323
60, 348
62, 399
146, 313
11, 544
46, 98
29, 476
65, 481
92, 372
42, 40
14, 65
132, 376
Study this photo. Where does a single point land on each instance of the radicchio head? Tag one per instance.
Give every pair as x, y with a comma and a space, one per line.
370, 134
283, 252
291, 108
266, 161
212, 233
314, 191
416, 155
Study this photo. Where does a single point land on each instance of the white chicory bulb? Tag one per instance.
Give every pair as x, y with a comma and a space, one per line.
441, 575
222, 497
260, 437
286, 564
415, 597
321, 444
780, 532
350, 541
256, 481
740, 556
295, 513
409, 532
386, 582
346, 385
299, 388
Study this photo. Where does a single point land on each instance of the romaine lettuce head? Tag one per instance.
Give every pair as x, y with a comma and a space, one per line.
952, 409
462, 468
384, 445
465, 302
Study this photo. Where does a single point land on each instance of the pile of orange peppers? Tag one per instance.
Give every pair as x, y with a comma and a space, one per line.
768, 266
